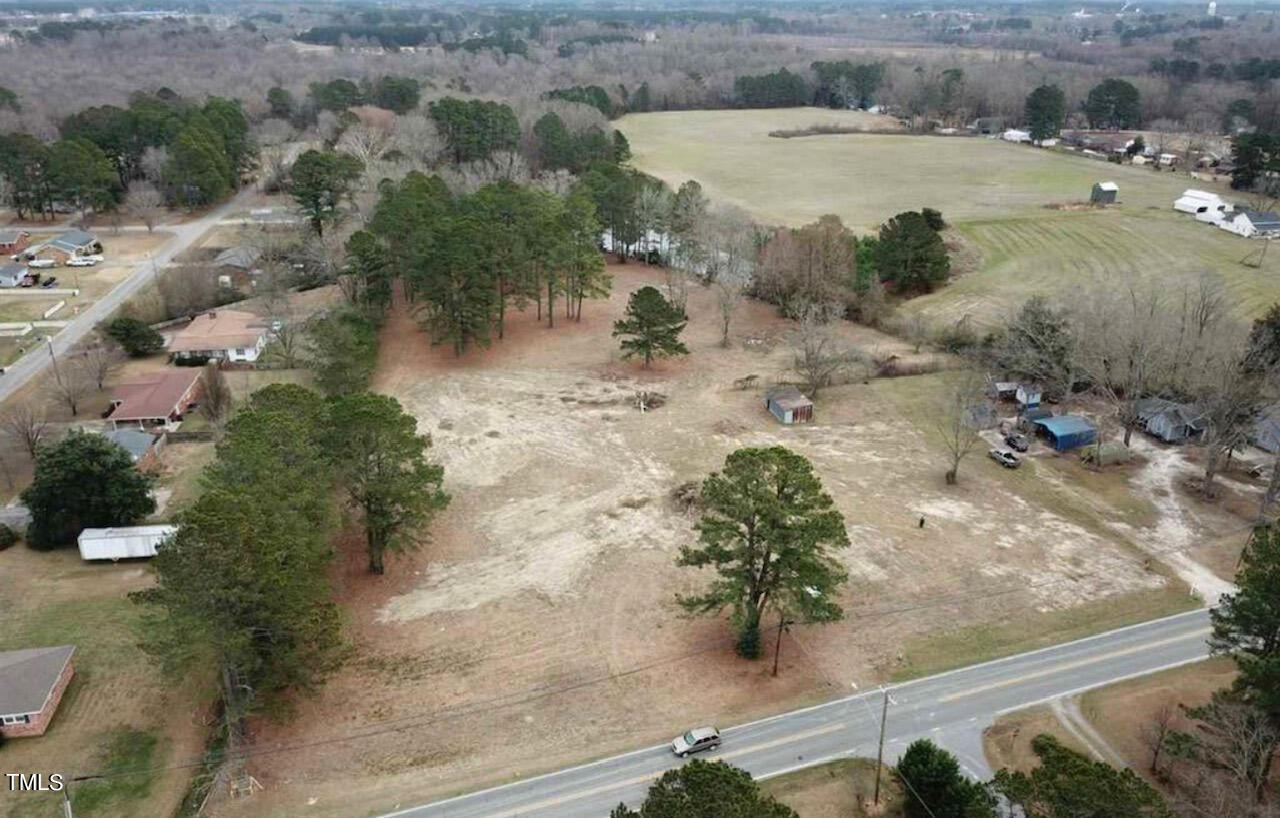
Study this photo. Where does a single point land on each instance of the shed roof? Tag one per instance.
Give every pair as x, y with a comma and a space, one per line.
1111, 186
788, 397
1061, 425
242, 257
1262, 218
27, 677
134, 442
219, 329
152, 395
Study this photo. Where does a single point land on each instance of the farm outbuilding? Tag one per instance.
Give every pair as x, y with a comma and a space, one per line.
1201, 203
1028, 395
123, 543
1251, 223
1028, 418
1104, 193
1169, 421
1066, 432
1266, 430
789, 405
1108, 454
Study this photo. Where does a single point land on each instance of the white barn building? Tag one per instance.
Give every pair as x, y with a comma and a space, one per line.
1252, 223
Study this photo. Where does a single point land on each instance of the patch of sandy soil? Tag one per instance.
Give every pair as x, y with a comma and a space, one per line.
539, 627
1181, 525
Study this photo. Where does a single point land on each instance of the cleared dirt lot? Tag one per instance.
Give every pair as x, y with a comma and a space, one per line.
539, 626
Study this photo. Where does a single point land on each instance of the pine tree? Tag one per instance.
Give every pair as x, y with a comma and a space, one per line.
651, 328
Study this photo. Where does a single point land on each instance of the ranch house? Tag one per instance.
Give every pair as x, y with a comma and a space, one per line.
228, 336
13, 274
32, 682
13, 242
154, 400
65, 246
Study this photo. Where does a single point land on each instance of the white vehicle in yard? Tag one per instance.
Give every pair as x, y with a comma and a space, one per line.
40, 263
695, 741
82, 261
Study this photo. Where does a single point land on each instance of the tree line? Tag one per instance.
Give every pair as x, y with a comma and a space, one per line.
193, 154
242, 588
464, 258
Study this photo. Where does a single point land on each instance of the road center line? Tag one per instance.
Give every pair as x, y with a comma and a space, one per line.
630, 782
1056, 669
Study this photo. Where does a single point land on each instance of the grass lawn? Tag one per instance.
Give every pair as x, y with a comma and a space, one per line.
949, 649
1121, 711
840, 789
994, 193
1007, 743
118, 712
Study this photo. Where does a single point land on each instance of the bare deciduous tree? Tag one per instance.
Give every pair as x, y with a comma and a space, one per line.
73, 382
1155, 733
188, 289
26, 423
956, 420
145, 203
818, 354
728, 297
215, 394
101, 359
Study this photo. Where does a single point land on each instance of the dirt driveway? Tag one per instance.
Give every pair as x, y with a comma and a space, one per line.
539, 626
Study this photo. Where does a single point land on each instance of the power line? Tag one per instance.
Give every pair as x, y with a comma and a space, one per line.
505, 700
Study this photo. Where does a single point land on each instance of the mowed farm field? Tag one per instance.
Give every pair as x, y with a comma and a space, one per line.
998, 196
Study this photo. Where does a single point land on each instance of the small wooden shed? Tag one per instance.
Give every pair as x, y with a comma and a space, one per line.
789, 405
1104, 193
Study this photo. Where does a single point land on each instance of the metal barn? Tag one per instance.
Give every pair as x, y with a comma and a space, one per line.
1065, 432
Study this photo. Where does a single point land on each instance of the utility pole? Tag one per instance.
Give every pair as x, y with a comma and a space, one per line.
783, 624
884, 715
57, 376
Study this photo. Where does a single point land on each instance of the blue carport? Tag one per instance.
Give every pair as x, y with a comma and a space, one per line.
1066, 432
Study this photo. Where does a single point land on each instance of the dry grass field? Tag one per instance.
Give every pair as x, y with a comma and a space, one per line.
538, 627
994, 193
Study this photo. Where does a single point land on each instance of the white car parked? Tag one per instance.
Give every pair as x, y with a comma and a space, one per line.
82, 261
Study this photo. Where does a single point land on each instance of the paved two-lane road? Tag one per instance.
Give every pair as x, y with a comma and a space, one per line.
184, 235
952, 708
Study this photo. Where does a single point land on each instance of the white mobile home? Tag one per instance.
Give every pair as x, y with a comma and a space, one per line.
123, 543
1198, 202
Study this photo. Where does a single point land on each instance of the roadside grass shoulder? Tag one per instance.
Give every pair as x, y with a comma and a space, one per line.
839, 789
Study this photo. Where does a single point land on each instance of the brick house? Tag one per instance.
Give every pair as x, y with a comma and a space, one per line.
32, 682
13, 241
226, 336
154, 400
64, 246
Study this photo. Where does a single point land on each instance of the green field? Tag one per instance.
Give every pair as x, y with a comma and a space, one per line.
995, 193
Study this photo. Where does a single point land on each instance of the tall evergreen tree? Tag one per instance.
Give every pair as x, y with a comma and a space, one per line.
936, 788
1046, 110
768, 530
911, 255
319, 181
383, 468
652, 327
701, 789
1113, 104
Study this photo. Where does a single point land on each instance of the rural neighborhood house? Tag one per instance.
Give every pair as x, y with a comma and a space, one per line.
32, 682
65, 246
228, 336
154, 400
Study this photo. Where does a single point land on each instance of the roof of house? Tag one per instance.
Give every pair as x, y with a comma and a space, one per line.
1112, 186
11, 236
1183, 414
219, 329
1060, 425
153, 394
71, 240
13, 269
28, 676
1262, 218
242, 256
788, 397
134, 442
